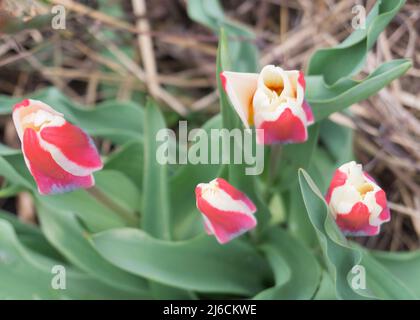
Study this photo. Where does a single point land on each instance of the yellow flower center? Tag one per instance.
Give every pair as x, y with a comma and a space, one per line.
365, 188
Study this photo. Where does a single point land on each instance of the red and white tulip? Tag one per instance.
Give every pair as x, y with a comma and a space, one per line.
227, 212
60, 156
357, 203
273, 101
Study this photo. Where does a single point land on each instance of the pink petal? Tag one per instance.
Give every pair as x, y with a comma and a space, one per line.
22, 104
227, 213
385, 215
301, 80
288, 128
338, 180
356, 222
72, 148
48, 175
240, 88
226, 225
308, 112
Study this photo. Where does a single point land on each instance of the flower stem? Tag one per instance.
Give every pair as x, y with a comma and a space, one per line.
123, 213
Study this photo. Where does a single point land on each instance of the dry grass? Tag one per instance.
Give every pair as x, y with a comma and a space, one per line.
175, 62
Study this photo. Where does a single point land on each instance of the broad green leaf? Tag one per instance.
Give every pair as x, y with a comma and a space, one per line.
403, 265
348, 57
128, 159
230, 119
65, 233
338, 141
298, 221
327, 100
31, 236
326, 289
13, 168
293, 157
243, 50
156, 209
302, 268
341, 255
96, 215
25, 274
200, 264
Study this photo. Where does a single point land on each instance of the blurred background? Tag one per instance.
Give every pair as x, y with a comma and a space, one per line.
109, 49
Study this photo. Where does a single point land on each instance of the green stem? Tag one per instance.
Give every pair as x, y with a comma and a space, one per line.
126, 215
275, 156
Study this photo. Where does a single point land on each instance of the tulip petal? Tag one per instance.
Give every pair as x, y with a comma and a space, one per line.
308, 112
71, 148
28, 108
225, 225
240, 88
338, 180
22, 104
301, 80
287, 128
356, 222
235, 193
227, 212
380, 197
48, 175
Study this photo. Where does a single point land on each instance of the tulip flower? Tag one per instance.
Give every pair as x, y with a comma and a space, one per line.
60, 156
273, 101
356, 202
227, 212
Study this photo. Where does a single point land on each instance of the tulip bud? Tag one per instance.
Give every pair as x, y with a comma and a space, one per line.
227, 212
356, 202
60, 156
273, 101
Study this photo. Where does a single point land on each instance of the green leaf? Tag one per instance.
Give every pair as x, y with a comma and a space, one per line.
13, 168
67, 235
230, 118
25, 274
297, 271
156, 211
298, 221
96, 215
348, 57
30, 236
200, 264
403, 265
327, 100
338, 141
341, 255
295, 156
326, 289
128, 159
243, 50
